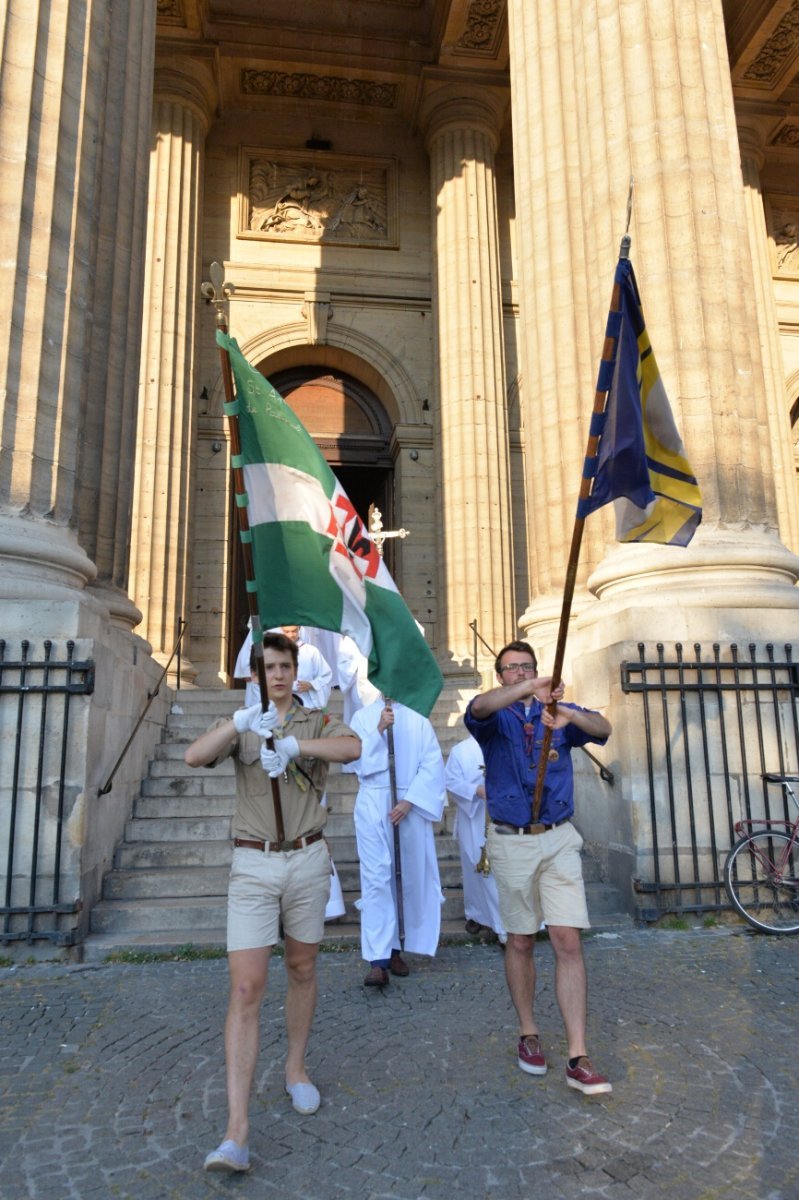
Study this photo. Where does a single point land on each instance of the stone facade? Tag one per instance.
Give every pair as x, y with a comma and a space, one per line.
419, 202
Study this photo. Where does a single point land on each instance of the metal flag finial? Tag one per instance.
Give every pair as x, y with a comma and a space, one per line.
217, 292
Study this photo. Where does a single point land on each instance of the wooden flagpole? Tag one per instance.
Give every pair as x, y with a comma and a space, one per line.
217, 293
609, 350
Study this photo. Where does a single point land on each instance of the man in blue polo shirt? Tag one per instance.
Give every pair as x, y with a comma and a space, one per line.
537, 867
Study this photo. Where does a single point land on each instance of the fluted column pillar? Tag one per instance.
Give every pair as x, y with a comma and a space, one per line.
557, 345
49, 148
671, 120
111, 384
160, 566
649, 93
751, 133
461, 129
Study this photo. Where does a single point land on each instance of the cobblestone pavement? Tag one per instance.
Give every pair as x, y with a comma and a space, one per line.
111, 1080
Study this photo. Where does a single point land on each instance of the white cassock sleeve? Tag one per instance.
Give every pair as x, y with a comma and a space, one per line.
464, 775
314, 669
242, 667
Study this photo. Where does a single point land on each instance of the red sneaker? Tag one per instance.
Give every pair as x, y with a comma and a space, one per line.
588, 1081
531, 1056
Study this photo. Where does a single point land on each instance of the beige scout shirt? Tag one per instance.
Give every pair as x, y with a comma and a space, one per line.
254, 817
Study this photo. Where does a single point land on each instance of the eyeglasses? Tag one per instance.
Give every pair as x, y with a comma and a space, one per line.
528, 668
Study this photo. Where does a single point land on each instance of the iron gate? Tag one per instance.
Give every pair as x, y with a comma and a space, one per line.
36, 695
713, 726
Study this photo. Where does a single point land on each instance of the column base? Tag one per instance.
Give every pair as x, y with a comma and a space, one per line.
727, 585
122, 611
41, 558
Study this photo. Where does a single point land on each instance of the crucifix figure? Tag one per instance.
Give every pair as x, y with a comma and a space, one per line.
378, 533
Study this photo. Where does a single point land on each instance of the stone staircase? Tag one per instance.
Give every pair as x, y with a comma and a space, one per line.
168, 884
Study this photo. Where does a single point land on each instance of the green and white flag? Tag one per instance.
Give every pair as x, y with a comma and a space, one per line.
315, 563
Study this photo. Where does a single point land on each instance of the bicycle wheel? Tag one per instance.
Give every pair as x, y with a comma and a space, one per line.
765, 898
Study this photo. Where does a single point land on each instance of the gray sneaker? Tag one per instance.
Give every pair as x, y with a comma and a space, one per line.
230, 1156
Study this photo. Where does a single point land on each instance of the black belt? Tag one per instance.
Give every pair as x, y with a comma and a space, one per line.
298, 844
504, 828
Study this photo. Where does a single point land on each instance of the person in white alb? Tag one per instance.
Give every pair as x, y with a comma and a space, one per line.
421, 796
465, 777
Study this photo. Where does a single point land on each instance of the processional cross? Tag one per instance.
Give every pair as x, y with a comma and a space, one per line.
378, 533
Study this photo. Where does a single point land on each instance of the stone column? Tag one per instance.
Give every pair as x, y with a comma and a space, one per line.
75, 92
160, 564
558, 348
667, 117
751, 134
646, 91
53, 80
461, 128
111, 384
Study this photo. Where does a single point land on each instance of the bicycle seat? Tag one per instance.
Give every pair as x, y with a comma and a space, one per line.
769, 778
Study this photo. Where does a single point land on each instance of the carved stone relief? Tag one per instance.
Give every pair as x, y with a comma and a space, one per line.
777, 51
483, 28
787, 135
330, 88
318, 198
171, 12
783, 224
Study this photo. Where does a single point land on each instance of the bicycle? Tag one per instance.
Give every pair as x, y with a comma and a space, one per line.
761, 870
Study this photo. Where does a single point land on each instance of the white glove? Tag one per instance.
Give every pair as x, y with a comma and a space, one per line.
248, 718
274, 761
268, 721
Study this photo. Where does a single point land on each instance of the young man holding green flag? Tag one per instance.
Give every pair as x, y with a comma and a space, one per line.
273, 882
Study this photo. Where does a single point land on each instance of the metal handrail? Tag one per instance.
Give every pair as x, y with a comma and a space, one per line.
150, 697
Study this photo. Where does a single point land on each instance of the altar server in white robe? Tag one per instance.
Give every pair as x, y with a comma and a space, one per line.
465, 777
421, 796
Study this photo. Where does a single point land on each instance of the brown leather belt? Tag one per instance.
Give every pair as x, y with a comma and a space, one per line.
298, 844
504, 828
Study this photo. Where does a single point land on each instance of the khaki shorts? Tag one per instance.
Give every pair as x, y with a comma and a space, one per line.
293, 885
539, 878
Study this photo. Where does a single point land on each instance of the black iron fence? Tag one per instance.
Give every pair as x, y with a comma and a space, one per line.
36, 698
713, 725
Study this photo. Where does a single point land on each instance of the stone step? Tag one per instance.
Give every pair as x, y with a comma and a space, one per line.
192, 913
98, 946
203, 781
156, 856
155, 853
170, 882
177, 829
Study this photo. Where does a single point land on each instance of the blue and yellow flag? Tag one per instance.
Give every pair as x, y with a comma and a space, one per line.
640, 463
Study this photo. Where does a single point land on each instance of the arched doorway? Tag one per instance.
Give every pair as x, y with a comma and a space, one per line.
352, 430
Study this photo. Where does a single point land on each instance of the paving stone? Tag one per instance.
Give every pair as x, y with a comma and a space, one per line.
112, 1081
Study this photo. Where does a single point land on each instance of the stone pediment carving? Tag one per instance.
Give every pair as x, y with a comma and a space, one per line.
777, 53
787, 135
170, 12
328, 88
483, 29
783, 225
328, 198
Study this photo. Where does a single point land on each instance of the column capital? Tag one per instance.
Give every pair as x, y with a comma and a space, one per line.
450, 106
752, 134
189, 82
